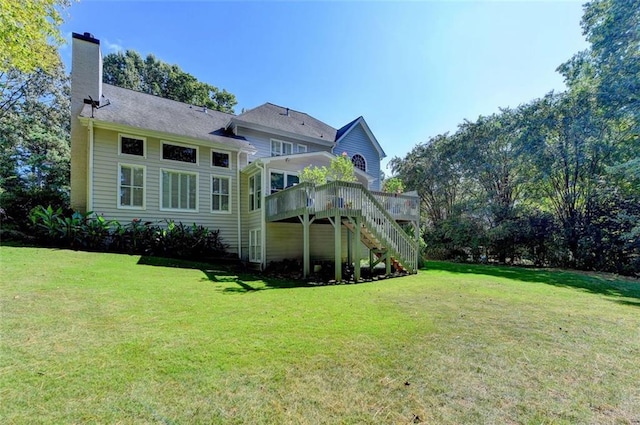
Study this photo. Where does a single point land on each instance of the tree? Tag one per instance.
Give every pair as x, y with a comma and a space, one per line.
571, 144
613, 29
150, 75
30, 34
340, 169
34, 141
432, 169
490, 151
393, 185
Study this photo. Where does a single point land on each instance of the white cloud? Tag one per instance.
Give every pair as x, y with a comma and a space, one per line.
112, 47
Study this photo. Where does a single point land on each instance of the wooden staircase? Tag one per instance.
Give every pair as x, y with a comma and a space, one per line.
366, 215
376, 247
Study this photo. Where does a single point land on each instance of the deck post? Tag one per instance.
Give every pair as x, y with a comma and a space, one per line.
306, 262
337, 228
371, 260
387, 261
356, 251
349, 248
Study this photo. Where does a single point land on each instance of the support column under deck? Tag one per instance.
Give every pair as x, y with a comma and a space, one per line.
337, 228
306, 261
356, 250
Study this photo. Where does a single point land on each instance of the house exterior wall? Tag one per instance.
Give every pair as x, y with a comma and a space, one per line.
105, 185
262, 142
284, 241
356, 141
250, 220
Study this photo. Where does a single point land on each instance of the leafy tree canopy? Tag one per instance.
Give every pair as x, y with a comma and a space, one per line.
393, 185
613, 61
30, 34
340, 169
150, 75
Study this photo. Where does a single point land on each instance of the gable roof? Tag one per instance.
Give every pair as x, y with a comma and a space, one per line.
286, 120
148, 112
342, 133
301, 158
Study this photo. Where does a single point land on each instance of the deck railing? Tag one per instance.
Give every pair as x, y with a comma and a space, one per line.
337, 195
379, 211
291, 201
387, 230
401, 207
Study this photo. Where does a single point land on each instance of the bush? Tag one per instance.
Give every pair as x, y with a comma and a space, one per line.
17, 205
93, 232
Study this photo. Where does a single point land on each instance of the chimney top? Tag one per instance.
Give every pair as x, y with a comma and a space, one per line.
87, 36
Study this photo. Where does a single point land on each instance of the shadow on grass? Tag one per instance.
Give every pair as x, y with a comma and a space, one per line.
598, 284
226, 272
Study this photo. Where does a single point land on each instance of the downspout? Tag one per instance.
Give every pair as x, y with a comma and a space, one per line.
90, 169
239, 213
263, 213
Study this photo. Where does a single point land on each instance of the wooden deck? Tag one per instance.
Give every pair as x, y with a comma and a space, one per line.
370, 216
337, 198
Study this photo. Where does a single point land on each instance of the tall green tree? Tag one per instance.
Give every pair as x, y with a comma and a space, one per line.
490, 151
572, 145
34, 141
613, 29
150, 75
30, 34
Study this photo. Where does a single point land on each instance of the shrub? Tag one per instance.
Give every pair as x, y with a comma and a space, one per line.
93, 232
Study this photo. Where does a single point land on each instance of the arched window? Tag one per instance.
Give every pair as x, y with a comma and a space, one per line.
359, 162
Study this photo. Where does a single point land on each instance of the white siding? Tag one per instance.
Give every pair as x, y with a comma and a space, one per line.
250, 219
284, 241
105, 196
262, 142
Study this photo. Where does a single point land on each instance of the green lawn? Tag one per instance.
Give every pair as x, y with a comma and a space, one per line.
105, 338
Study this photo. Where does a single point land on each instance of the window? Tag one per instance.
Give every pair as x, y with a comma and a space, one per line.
220, 159
130, 145
180, 153
302, 148
281, 180
279, 148
220, 194
359, 162
179, 190
255, 192
131, 186
255, 246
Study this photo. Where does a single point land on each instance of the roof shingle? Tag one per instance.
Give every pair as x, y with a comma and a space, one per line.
288, 120
148, 112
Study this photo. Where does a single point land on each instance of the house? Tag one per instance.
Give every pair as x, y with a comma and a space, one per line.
134, 155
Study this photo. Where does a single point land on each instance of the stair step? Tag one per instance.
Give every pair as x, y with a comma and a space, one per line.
368, 238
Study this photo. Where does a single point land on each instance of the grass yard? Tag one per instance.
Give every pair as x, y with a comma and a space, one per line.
106, 338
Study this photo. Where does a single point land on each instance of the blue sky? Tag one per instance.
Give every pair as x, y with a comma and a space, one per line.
412, 69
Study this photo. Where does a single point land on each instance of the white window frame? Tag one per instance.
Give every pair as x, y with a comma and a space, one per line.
161, 185
302, 148
366, 166
144, 188
184, 145
281, 144
217, 166
255, 192
228, 178
255, 245
286, 175
130, 136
